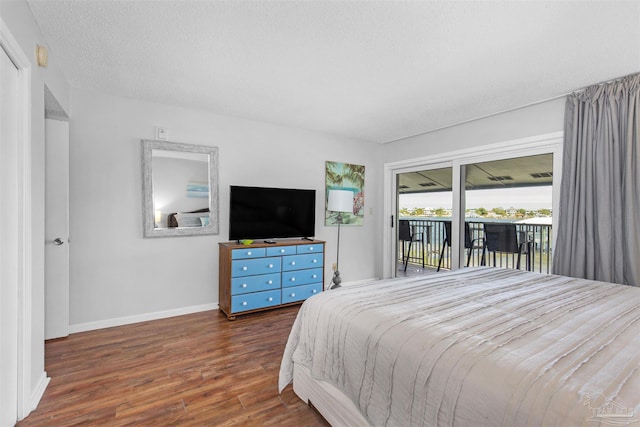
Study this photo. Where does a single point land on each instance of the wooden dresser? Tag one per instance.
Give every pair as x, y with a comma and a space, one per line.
262, 276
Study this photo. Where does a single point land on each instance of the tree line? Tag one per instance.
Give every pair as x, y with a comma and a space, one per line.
498, 212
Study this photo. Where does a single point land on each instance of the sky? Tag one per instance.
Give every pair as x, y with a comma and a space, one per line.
523, 197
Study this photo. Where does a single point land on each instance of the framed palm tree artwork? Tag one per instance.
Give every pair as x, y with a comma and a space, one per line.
349, 177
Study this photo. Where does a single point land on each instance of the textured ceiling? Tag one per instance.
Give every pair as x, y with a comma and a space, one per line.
373, 70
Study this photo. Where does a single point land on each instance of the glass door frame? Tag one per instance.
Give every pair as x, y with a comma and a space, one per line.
395, 195
539, 144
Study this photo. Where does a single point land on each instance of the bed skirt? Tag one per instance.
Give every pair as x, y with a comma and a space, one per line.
333, 405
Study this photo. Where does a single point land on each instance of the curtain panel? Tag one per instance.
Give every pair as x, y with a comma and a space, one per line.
599, 218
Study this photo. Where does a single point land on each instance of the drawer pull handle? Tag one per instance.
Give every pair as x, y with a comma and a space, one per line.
269, 282
314, 276
293, 279
270, 299
310, 248
270, 265
293, 263
314, 261
244, 285
282, 251
314, 291
293, 295
249, 253
244, 268
244, 303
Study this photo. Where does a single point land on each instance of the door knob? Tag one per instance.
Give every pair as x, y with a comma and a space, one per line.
58, 241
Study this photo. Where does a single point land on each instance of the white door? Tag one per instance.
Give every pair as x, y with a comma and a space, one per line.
56, 229
9, 226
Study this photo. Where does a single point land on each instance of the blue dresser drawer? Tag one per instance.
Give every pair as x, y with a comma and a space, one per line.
247, 253
302, 277
281, 250
255, 300
297, 262
300, 293
264, 282
264, 276
252, 267
311, 248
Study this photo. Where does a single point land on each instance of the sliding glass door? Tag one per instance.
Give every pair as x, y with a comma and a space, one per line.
508, 208
425, 204
455, 203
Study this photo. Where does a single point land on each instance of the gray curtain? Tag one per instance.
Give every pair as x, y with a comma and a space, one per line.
599, 219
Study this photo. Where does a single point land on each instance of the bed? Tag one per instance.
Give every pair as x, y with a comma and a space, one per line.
197, 218
475, 346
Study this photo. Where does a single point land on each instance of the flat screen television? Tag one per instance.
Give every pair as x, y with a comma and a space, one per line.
270, 213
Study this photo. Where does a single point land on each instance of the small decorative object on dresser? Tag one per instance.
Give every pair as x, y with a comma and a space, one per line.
262, 276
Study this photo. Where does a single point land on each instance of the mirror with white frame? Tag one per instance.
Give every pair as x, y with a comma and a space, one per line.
180, 189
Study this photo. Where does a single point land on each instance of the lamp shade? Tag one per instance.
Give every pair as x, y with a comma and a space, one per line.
340, 201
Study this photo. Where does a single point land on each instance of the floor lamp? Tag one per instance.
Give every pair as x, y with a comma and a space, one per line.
339, 201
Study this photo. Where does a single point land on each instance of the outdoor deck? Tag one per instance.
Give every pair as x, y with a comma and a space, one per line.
540, 257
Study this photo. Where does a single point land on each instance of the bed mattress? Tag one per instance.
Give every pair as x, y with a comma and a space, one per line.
477, 346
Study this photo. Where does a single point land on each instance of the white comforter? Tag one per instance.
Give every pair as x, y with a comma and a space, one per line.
476, 347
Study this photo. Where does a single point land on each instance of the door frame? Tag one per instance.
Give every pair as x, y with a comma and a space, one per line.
23, 211
522, 147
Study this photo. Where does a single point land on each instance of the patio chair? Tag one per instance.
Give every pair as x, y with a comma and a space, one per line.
469, 243
406, 233
503, 238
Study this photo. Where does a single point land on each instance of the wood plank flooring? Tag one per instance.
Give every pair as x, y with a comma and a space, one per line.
193, 370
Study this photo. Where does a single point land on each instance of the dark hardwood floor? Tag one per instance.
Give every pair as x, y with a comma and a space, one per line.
193, 370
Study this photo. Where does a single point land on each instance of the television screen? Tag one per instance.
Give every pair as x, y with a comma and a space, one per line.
269, 213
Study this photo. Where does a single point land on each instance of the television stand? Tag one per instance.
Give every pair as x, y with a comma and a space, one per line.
308, 238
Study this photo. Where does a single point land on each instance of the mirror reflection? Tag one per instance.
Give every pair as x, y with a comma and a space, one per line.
180, 189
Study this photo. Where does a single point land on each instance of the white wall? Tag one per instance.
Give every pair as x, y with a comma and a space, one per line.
17, 15
538, 119
116, 274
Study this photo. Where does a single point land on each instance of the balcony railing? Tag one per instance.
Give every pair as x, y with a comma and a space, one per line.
539, 257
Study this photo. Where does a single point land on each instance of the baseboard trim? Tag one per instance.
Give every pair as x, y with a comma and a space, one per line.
127, 320
38, 392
